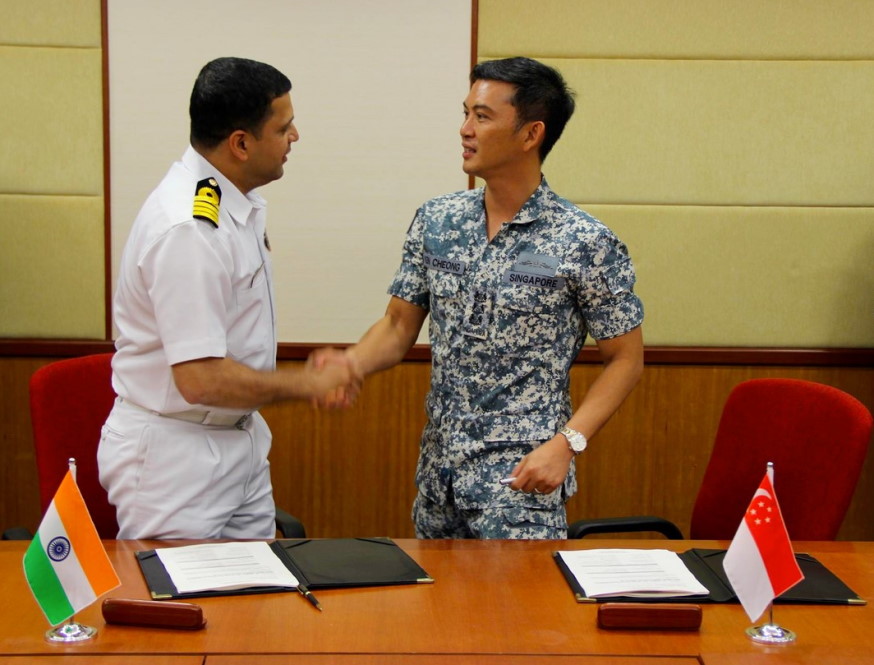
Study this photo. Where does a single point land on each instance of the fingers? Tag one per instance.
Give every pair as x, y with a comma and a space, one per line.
338, 378
320, 357
338, 398
543, 488
529, 477
343, 386
529, 483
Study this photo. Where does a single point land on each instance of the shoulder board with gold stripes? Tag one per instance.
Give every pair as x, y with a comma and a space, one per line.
207, 197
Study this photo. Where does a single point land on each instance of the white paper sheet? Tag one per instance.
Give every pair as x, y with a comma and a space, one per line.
628, 572
215, 566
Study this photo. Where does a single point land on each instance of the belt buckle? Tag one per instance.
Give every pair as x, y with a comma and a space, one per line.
241, 422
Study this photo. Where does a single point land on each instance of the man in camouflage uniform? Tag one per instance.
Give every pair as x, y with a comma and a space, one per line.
514, 277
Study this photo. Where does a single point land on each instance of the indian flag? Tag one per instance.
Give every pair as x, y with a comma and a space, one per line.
65, 565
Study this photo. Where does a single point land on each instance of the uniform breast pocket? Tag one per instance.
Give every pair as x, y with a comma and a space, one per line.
444, 284
526, 316
250, 329
446, 301
251, 292
258, 277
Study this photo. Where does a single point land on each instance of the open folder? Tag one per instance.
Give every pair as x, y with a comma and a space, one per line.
317, 564
819, 587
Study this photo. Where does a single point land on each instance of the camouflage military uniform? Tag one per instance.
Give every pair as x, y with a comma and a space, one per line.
507, 319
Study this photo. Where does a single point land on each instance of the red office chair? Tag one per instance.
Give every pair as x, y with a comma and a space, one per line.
817, 437
69, 402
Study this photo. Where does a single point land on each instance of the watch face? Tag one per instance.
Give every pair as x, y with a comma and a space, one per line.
577, 440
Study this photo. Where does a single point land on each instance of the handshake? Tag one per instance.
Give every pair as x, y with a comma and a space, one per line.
336, 378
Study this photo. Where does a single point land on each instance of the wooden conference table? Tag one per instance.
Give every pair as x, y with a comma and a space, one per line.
493, 602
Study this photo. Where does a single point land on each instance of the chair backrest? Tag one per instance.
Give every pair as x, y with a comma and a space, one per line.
817, 437
69, 402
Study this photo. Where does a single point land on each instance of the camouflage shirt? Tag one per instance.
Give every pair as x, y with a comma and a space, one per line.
507, 319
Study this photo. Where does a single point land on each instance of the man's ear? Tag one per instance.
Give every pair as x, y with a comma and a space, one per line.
535, 132
237, 145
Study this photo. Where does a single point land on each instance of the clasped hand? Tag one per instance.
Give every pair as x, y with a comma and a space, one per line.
341, 394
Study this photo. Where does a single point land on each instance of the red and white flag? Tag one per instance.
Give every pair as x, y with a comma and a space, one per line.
760, 563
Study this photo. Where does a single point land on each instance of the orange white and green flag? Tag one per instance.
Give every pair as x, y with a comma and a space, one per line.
65, 565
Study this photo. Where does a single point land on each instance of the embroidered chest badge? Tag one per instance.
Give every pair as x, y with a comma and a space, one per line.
535, 270
536, 264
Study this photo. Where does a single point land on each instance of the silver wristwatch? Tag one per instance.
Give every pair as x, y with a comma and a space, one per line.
576, 441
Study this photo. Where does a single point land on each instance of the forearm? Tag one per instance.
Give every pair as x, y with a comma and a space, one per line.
386, 342
381, 347
623, 366
222, 382
546, 467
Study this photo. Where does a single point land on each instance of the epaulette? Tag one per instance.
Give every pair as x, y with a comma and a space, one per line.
207, 197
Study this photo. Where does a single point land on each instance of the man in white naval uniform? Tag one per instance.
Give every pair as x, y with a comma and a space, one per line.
183, 454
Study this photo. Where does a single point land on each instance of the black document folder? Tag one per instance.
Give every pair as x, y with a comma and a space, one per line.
348, 562
820, 586
317, 564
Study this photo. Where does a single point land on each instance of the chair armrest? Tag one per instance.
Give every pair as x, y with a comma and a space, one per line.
582, 528
17, 533
288, 525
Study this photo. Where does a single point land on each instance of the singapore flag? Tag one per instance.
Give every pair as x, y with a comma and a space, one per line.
760, 563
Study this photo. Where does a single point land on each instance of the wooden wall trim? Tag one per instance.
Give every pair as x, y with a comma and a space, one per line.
53, 348
666, 355
474, 54
654, 355
474, 31
107, 199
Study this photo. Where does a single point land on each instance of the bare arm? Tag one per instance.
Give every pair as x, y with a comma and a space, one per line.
388, 340
224, 382
623, 365
545, 467
382, 346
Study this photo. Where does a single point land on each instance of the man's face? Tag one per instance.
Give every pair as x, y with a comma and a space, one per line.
269, 150
490, 140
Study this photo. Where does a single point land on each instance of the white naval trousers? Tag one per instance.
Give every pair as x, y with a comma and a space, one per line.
169, 478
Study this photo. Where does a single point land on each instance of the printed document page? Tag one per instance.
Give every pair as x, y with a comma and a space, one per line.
216, 566
626, 572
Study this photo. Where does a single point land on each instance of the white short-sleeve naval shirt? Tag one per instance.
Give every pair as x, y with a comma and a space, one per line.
188, 289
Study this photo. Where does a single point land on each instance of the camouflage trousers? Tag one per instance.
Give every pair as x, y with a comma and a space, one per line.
438, 520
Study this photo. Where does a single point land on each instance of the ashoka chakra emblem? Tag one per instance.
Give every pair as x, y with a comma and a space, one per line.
58, 548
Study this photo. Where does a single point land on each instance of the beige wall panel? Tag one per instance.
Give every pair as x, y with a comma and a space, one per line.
780, 277
51, 279
50, 22
758, 29
706, 132
377, 92
52, 98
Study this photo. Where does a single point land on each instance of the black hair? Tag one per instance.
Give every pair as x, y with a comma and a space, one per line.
541, 94
231, 94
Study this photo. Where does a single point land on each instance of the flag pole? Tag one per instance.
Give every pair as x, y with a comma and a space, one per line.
72, 631
770, 633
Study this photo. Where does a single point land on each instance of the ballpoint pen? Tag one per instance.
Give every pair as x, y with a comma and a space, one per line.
306, 593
